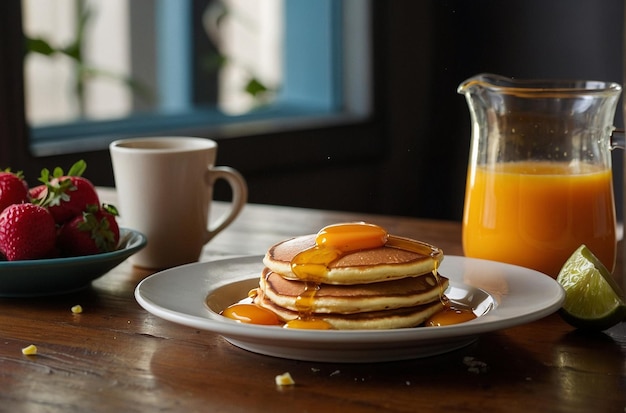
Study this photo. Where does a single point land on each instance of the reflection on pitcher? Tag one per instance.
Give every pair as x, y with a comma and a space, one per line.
539, 181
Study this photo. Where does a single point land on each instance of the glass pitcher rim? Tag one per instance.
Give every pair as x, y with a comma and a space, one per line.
512, 85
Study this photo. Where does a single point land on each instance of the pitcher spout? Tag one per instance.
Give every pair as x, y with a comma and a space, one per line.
537, 87
541, 119
484, 81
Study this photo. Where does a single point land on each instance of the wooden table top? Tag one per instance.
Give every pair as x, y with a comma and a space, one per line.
116, 356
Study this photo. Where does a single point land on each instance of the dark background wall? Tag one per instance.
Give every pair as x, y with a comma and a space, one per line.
423, 51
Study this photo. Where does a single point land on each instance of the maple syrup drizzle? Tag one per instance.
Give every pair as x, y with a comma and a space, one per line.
304, 301
413, 246
312, 264
331, 243
410, 245
451, 314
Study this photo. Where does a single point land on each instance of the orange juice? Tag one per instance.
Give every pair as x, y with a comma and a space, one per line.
535, 214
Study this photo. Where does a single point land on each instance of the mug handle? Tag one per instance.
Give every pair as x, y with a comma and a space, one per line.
240, 197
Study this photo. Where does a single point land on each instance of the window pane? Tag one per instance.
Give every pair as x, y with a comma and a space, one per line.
109, 59
61, 87
251, 38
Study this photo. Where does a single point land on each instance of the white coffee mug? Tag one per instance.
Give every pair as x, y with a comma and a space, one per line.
165, 190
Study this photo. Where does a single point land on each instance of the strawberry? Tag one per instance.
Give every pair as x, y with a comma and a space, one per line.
92, 232
13, 189
66, 196
27, 232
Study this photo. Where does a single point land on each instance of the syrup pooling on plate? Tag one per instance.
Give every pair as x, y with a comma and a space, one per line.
247, 312
451, 314
251, 314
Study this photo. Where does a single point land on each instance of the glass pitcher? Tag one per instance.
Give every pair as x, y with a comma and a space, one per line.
539, 180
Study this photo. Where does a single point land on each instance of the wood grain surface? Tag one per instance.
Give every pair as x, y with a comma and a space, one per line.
115, 356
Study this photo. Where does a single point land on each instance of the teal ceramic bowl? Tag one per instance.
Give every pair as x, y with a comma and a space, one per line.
34, 278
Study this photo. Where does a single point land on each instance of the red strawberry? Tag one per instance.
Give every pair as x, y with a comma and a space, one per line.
92, 232
67, 196
13, 189
73, 196
27, 232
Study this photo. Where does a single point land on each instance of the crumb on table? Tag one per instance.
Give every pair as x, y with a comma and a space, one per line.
30, 350
284, 379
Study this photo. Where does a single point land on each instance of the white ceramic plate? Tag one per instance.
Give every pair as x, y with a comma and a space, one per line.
502, 296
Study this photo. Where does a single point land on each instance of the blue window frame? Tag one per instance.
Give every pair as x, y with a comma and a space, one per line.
326, 81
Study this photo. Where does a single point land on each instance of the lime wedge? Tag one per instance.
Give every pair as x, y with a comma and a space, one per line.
593, 300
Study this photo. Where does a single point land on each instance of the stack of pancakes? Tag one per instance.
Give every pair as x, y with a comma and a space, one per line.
392, 286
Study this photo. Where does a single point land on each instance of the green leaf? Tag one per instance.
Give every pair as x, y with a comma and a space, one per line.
45, 176
78, 168
111, 209
57, 172
73, 51
39, 45
255, 87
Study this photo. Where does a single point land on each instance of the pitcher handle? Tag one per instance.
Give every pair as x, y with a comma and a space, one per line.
618, 139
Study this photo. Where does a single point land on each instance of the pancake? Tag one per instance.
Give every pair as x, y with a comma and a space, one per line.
354, 298
399, 258
352, 276
374, 320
